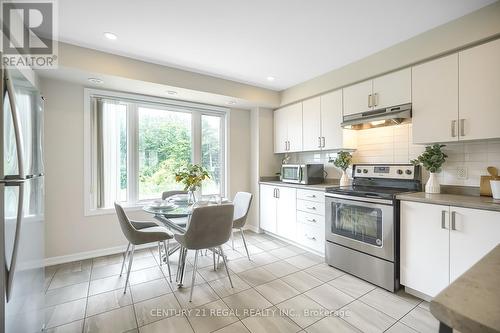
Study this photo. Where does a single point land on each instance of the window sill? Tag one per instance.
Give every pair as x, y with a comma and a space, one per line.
111, 210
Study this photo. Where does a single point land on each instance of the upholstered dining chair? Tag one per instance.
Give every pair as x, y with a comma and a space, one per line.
167, 194
242, 202
209, 228
137, 233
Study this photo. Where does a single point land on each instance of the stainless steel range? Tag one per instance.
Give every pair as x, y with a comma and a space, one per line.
362, 222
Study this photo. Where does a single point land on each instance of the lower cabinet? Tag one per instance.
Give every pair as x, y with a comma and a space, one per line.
294, 214
439, 243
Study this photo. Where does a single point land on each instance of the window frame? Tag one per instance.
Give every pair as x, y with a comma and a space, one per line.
134, 102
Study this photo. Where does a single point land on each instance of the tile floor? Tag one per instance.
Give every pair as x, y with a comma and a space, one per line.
283, 289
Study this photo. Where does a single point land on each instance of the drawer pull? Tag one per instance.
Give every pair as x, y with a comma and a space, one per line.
311, 238
311, 220
311, 196
312, 208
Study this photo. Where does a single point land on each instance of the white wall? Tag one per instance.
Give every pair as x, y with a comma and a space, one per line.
68, 231
472, 28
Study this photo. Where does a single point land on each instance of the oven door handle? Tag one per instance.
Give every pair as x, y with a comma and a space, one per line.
360, 199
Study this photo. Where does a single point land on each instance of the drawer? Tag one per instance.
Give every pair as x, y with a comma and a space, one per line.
311, 219
311, 195
311, 237
311, 207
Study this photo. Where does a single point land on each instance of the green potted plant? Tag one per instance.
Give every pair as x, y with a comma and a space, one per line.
192, 176
432, 159
342, 161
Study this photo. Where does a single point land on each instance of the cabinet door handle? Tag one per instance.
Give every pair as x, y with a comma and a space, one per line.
312, 208
443, 219
288, 145
278, 193
319, 142
274, 193
311, 220
322, 142
370, 100
462, 127
453, 220
453, 128
311, 196
375, 99
311, 238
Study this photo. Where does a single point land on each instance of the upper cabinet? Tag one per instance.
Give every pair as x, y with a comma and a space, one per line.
435, 100
392, 89
311, 124
288, 129
455, 98
479, 87
382, 92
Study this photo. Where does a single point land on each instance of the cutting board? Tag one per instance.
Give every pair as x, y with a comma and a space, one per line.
485, 187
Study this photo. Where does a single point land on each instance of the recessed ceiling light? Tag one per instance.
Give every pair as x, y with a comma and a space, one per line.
110, 36
270, 78
171, 92
95, 80
231, 102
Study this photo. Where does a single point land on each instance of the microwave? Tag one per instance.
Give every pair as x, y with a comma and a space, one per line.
302, 173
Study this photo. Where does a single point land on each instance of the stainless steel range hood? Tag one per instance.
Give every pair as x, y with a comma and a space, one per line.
394, 115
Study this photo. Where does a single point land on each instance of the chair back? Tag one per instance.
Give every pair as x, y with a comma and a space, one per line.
210, 226
128, 230
168, 194
242, 202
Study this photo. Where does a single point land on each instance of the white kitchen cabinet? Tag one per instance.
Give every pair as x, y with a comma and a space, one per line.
392, 89
424, 250
286, 215
311, 124
473, 233
435, 100
479, 97
278, 210
288, 129
357, 98
268, 208
334, 136
385, 91
439, 243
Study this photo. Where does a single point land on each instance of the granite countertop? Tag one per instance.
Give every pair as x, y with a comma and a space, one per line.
467, 201
317, 187
472, 302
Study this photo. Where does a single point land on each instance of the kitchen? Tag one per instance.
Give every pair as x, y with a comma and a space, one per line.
292, 173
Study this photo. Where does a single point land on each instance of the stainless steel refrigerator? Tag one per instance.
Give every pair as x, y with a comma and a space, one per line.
21, 205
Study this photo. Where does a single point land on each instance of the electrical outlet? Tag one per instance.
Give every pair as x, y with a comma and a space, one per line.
462, 173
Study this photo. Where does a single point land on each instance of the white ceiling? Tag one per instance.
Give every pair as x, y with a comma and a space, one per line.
249, 40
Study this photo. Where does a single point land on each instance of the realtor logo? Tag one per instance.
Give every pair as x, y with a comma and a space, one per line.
29, 34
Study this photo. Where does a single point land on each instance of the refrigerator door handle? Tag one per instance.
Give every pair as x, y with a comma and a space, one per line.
11, 270
17, 126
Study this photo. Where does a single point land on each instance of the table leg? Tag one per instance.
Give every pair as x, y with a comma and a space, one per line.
443, 328
181, 268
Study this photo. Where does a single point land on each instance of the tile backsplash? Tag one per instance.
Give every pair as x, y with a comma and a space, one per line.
393, 145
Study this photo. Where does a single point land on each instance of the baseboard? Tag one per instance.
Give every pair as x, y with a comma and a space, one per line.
252, 228
91, 254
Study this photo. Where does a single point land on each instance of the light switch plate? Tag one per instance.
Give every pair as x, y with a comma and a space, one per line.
462, 173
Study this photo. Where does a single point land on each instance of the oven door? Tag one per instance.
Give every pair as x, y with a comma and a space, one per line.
291, 173
362, 225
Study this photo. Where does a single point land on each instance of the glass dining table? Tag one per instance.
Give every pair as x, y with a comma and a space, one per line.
175, 215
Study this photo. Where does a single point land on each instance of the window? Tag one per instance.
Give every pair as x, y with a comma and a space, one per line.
135, 145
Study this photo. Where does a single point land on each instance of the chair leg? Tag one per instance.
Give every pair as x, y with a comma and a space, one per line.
232, 238
129, 267
124, 258
213, 255
159, 252
244, 243
166, 246
225, 265
194, 275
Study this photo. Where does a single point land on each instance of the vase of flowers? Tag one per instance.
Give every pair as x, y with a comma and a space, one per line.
432, 159
192, 176
342, 161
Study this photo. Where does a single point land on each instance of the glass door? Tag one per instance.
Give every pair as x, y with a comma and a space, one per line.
360, 223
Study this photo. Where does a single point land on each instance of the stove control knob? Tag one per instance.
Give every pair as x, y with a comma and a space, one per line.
365, 170
358, 170
408, 172
400, 172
